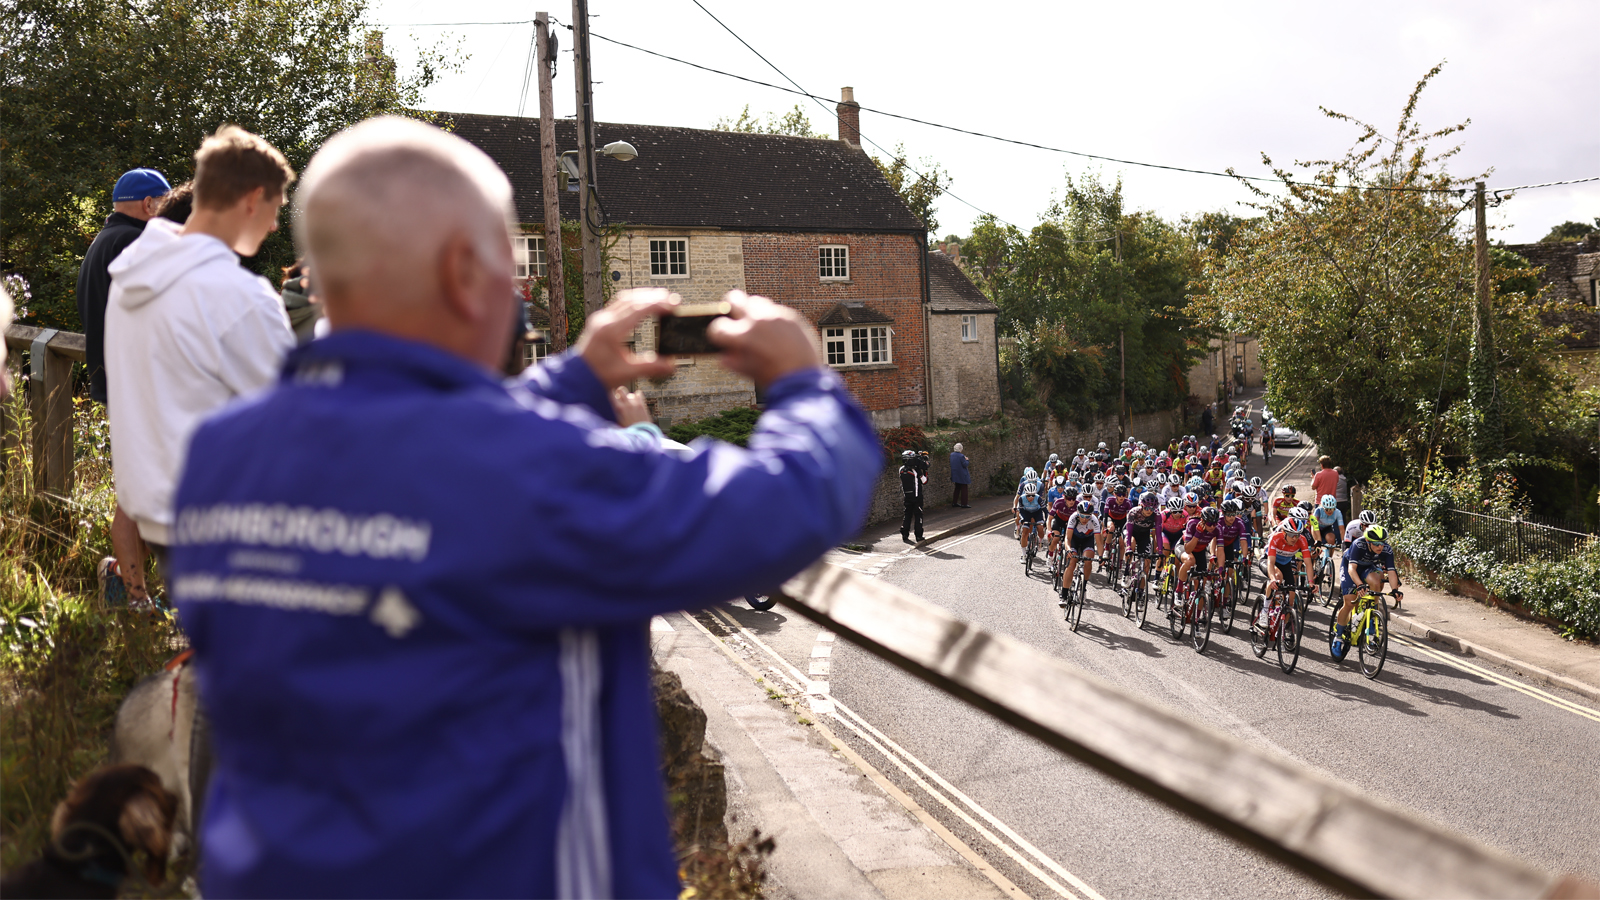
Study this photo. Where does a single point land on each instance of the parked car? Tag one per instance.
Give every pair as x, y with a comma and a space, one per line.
1284, 436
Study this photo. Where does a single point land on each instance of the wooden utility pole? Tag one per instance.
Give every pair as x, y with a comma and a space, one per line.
548, 162
1122, 344
1488, 433
593, 291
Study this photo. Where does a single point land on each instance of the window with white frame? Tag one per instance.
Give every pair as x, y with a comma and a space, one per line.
527, 250
969, 328
669, 258
833, 339
535, 352
833, 262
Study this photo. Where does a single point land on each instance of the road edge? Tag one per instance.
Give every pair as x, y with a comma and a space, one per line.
1407, 625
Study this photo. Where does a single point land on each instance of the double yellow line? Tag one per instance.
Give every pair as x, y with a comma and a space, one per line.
1502, 680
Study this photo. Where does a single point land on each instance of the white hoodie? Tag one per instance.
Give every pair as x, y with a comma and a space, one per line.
187, 330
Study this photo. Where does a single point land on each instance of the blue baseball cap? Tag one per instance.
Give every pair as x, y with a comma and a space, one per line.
137, 184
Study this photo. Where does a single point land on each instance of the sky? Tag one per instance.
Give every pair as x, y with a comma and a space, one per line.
1203, 86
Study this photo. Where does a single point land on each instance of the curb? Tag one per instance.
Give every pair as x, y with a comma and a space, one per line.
1467, 648
965, 525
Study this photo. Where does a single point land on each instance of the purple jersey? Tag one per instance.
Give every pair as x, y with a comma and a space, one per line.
1228, 532
1198, 530
1117, 508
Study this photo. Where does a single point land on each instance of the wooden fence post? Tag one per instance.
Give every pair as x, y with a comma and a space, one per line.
49, 377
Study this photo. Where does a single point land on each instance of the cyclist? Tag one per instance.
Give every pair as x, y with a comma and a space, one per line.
1283, 547
1079, 460
1329, 520
1116, 508
1355, 529
1366, 562
1269, 441
1061, 509
1057, 485
1282, 504
1233, 531
1198, 536
1142, 520
1049, 467
1083, 529
1029, 507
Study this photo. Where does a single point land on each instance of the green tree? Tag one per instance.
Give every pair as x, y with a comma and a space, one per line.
1359, 284
1090, 273
920, 190
1571, 231
93, 89
794, 123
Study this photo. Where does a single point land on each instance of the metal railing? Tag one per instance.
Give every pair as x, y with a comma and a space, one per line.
48, 378
1513, 540
1319, 826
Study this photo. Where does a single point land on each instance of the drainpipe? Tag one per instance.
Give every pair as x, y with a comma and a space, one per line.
927, 334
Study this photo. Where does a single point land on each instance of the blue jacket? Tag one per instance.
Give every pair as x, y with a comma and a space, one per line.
958, 469
420, 600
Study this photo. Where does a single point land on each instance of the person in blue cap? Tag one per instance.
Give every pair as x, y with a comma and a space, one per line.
419, 593
133, 203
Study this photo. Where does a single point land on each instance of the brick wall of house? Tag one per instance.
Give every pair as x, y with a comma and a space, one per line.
701, 387
964, 380
886, 272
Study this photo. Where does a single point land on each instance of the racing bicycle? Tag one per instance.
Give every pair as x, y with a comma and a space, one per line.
1369, 630
1282, 629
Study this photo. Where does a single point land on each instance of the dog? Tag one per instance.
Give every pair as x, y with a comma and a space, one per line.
108, 816
160, 726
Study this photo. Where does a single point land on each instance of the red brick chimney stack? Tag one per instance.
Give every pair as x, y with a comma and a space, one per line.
849, 118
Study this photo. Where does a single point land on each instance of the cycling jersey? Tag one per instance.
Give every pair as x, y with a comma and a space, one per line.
1062, 508
1354, 530
1283, 545
1083, 523
1051, 496
1029, 500
1363, 554
1174, 523
1329, 519
1228, 533
1281, 507
1116, 508
1142, 520
1198, 530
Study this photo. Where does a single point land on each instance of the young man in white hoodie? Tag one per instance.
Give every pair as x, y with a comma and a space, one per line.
193, 329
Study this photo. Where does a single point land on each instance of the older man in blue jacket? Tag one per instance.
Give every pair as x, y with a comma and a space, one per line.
419, 596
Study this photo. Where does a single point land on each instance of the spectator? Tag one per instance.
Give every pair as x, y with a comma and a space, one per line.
913, 477
1206, 420
960, 476
134, 200
193, 329
419, 593
1326, 481
300, 301
177, 204
1341, 493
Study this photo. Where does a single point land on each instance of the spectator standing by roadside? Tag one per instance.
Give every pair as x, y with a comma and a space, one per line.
434, 678
1326, 482
960, 477
1341, 493
912, 479
193, 329
1206, 420
136, 197
300, 301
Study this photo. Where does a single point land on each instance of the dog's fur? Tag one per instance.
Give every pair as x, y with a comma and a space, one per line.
128, 804
155, 728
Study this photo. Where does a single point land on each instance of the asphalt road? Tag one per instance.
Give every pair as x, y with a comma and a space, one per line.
1510, 767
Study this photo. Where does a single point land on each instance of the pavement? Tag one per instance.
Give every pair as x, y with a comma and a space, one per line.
847, 828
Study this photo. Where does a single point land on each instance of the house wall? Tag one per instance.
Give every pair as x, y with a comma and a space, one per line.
886, 270
964, 377
701, 387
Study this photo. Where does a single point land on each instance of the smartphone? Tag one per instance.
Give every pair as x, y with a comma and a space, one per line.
683, 331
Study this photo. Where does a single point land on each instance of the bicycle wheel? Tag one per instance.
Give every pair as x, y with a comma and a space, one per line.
1288, 641
761, 601
1259, 637
1230, 597
1027, 556
1333, 588
1114, 579
1055, 570
1201, 635
1177, 613
1076, 612
1372, 646
1141, 602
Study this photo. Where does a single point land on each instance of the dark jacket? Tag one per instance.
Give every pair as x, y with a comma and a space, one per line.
94, 288
959, 473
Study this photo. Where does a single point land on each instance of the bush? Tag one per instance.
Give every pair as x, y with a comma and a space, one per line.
1004, 481
733, 426
906, 437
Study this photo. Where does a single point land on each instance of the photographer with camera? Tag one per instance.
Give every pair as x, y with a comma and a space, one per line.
419, 594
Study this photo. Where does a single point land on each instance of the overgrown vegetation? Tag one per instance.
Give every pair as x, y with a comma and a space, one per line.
65, 663
733, 426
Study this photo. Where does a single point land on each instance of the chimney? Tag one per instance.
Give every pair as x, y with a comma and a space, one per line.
849, 118
954, 249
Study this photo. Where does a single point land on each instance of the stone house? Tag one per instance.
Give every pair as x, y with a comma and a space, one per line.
1571, 275
808, 222
964, 355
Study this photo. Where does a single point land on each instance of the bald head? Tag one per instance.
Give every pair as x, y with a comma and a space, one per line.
407, 229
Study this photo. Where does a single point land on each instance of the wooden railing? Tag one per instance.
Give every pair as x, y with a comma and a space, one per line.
49, 389
1323, 828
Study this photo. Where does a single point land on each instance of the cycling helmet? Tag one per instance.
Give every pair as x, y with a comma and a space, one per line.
1162, 455
1329, 503
1147, 500
1248, 491
1210, 515
1376, 534
1053, 457
1306, 505
1299, 513
1191, 499
1174, 505
1232, 507
1100, 479
1295, 526
1368, 517
1084, 506
1121, 490
1288, 490
1174, 479
1102, 446
1060, 480
1026, 473
1082, 451
1031, 489
1069, 492
908, 455
1255, 482
1196, 481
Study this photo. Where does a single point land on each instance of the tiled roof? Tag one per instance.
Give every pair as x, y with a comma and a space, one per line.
853, 313
950, 290
693, 177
